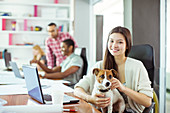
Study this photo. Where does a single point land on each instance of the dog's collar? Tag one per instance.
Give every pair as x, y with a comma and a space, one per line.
104, 90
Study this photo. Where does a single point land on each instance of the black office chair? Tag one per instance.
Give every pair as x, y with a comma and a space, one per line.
145, 53
82, 52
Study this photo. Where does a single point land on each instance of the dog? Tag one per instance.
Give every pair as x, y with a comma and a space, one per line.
102, 86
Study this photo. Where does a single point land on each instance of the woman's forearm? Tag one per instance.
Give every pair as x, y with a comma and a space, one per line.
138, 97
44, 68
79, 92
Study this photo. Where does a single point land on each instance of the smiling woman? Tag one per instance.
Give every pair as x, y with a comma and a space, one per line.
116, 44
132, 80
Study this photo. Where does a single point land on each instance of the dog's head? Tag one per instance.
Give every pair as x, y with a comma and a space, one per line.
104, 77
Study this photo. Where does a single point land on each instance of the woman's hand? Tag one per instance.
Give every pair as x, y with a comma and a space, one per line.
99, 100
42, 75
117, 84
34, 61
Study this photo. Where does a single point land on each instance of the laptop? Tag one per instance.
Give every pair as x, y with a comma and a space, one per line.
35, 89
16, 70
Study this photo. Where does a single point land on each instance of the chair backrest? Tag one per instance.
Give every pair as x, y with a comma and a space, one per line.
145, 53
82, 52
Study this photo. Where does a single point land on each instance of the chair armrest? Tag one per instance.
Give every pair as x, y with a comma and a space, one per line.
150, 108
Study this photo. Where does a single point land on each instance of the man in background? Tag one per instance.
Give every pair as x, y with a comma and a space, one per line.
52, 44
70, 69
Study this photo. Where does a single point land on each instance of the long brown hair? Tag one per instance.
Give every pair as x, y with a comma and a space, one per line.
109, 61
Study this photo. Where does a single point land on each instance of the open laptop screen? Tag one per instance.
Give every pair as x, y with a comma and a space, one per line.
33, 83
15, 69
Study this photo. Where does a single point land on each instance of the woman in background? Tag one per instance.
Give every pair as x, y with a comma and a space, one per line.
39, 55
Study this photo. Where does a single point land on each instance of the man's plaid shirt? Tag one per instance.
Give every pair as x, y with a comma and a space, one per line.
53, 47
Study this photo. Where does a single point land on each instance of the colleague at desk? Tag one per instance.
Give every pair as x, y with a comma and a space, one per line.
53, 45
38, 54
132, 79
70, 69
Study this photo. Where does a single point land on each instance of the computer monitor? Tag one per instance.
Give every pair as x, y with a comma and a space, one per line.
7, 58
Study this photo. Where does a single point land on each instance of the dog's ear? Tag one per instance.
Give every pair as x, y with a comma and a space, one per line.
96, 71
115, 74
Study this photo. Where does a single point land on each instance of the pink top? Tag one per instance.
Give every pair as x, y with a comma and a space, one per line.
53, 47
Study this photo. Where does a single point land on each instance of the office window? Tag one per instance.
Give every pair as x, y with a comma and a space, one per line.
113, 15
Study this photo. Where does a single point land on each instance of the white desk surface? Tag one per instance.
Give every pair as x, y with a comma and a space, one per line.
10, 85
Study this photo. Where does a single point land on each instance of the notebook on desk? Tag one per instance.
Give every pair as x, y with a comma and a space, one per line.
35, 90
16, 70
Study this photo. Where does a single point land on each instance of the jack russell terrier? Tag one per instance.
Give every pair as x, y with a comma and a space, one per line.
102, 86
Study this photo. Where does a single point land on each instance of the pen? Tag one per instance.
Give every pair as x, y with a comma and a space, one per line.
71, 110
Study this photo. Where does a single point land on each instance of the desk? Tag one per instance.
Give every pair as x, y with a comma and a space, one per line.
81, 107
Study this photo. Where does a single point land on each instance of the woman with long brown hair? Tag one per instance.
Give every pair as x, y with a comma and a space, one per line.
133, 80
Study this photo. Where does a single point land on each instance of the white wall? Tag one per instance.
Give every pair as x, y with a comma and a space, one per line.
83, 29
81, 22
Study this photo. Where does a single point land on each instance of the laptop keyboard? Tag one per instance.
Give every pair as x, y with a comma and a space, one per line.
47, 97
67, 98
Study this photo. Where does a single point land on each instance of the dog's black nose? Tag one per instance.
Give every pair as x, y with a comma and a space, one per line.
107, 84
